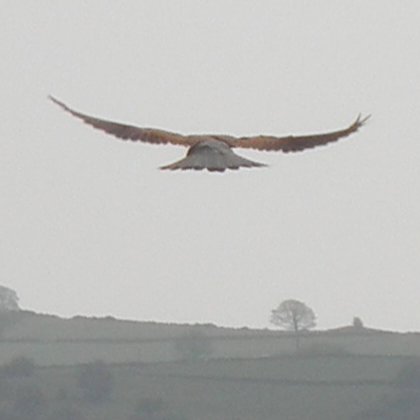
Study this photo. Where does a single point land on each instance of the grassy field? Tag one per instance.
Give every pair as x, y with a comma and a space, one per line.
288, 388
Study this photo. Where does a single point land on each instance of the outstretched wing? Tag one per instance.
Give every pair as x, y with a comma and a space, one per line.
296, 143
129, 132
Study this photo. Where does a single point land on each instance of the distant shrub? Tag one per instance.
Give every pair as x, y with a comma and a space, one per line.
29, 402
409, 374
172, 416
66, 411
5, 414
9, 300
358, 323
6, 390
195, 345
154, 408
8, 319
19, 367
399, 405
96, 381
61, 394
323, 349
148, 408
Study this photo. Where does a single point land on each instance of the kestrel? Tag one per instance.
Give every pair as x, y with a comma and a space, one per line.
213, 151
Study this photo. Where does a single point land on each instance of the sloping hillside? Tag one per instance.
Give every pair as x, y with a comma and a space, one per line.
51, 340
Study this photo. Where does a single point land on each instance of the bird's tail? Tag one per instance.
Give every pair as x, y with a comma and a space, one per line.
212, 160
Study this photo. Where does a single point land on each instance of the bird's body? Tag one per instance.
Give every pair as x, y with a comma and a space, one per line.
213, 152
213, 155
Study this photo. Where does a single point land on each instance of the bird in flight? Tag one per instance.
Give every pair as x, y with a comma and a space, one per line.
213, 151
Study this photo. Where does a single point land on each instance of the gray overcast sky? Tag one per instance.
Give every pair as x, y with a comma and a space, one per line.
90, 226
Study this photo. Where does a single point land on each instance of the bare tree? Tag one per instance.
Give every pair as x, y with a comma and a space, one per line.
294, 316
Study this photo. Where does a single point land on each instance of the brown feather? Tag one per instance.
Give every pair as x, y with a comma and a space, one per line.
296, 143
129, 132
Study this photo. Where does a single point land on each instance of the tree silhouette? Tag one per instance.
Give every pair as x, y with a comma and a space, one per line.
358, 323
9, 300
9, 308
295, 316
